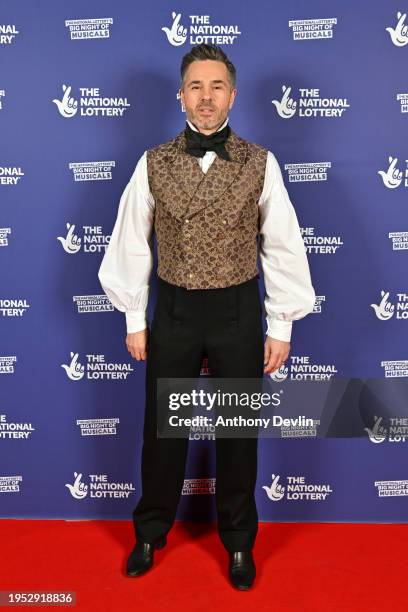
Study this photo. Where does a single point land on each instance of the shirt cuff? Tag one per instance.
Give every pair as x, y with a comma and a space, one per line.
135, 321
280, 330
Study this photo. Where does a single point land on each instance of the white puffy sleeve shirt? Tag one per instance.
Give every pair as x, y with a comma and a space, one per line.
128, 261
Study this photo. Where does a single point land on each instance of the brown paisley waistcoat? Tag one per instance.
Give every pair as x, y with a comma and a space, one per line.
206, 224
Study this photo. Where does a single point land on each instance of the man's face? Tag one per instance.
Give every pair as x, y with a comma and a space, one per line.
207, 94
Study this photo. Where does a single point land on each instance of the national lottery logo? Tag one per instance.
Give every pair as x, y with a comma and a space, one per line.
309, 104
13, 307
14, 430
92, 241
89, 103
78, 489
392, 177
177, 33
199, 30
300, 367
399, 34
377, 433
385, 310
8, 33
10, 175
320, 244
99, 487
68, 105
74, 370
71, 243
95, 368
286, 106
296, 489
396, 431
275, 491
280, 374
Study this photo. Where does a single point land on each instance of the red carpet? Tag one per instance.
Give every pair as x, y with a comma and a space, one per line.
300, 567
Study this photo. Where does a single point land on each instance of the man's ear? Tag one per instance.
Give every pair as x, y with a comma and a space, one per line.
181, 100
234, 94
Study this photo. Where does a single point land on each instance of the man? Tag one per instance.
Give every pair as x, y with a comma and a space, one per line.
207, 194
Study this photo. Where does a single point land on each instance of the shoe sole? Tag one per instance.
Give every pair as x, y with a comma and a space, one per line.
241, 587
144, 571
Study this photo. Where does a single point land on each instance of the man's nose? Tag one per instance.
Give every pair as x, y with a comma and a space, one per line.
206, 95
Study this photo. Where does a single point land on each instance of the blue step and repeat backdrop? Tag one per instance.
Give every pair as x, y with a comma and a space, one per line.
84, 90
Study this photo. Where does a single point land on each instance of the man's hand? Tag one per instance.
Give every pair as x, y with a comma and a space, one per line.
275, 354
137, 344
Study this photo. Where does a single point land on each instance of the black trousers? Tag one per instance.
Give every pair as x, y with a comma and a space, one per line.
226, 325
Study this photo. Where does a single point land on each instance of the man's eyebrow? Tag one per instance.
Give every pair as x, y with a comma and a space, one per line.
213, 81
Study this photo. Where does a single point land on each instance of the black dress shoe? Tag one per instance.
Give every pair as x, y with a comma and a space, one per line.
142, 556
242, 569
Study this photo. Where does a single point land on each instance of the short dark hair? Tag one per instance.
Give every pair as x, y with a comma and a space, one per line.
207, 52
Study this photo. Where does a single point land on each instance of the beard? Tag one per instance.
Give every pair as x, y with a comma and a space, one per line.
206, 123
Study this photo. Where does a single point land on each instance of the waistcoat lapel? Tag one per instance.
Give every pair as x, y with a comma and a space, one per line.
203, 189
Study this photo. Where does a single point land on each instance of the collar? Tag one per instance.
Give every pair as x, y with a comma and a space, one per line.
235, 146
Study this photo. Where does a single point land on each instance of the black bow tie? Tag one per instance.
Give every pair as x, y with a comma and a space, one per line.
198, 144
